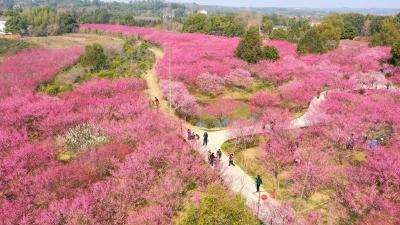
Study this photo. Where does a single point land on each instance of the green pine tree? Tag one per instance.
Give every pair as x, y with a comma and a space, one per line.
249, 48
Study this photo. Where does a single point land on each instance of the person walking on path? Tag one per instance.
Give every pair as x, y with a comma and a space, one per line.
231, 160
212, 159
219, 154
156, 103
258, 182
205, 139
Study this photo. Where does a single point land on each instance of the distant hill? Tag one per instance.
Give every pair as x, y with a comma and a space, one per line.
288, 11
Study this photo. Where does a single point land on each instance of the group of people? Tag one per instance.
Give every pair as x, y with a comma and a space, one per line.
191, 135
215, 158
373, 143
212, 159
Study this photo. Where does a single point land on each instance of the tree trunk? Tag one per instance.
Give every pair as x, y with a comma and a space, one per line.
305, 182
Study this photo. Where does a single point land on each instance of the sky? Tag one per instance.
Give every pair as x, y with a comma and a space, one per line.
301, 3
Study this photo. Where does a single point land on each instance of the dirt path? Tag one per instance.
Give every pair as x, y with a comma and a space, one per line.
153, 88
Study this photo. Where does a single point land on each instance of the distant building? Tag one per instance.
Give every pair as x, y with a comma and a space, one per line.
203, 12
3, 21
168, 15
314, 24
279, 27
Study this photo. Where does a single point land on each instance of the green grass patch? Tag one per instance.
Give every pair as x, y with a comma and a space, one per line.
358, 157
54, 89
241, 113
12, 46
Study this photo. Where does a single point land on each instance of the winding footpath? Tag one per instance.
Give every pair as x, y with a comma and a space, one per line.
234, 177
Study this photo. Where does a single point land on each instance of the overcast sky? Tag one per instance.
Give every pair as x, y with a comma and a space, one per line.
301, 3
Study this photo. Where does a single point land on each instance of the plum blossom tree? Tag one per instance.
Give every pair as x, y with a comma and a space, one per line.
282, 214
106, 185
210, 84
25, 70
276, 154
239, 78
180, 98
264, 99
314, 172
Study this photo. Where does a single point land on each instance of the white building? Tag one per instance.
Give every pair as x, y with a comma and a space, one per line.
2, 25
203, 12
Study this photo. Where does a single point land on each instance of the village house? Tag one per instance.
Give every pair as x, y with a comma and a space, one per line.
3, 21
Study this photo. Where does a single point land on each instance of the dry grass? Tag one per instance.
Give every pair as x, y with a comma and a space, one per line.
70, 76
110, 43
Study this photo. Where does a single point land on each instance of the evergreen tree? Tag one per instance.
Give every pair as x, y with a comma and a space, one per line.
16, 24
331, 30
311, 43
396, 54
67, 23
267, 25
195, 23
249, 48
349, 31
269, 53
389, 33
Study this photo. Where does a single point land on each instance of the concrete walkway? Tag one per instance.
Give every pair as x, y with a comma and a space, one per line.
234, 177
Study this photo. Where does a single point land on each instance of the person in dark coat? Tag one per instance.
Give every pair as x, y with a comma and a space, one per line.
231, 160
258, 183
205, 139
219, 154
212, 159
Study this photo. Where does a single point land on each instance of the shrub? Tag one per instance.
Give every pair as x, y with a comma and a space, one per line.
269, 53
51, 88
279, 34
94, 57
130, 42
216, 206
